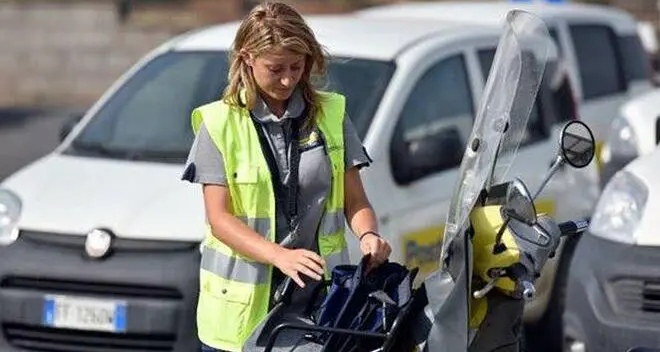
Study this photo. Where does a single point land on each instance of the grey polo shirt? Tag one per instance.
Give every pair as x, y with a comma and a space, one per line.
205, 166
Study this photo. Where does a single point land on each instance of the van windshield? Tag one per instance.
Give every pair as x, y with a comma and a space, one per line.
148, 118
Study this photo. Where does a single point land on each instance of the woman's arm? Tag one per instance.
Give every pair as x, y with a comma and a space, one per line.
362, 218
232, 231
357, 208
242, 239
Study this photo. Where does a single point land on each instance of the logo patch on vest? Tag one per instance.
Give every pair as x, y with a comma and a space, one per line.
312, 141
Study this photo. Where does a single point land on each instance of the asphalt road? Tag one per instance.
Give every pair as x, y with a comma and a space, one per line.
28, 135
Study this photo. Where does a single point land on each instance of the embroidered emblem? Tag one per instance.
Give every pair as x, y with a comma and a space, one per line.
311, 141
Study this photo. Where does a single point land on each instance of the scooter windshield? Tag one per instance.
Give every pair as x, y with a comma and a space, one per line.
508, 98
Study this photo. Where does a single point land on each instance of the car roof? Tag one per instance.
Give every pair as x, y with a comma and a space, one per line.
495, 12
345, 35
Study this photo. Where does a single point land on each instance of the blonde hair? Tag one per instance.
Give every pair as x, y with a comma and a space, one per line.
269, 25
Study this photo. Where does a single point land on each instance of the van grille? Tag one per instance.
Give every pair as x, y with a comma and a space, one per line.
651, 297
96, 288
639, 298
34, 338
119, 244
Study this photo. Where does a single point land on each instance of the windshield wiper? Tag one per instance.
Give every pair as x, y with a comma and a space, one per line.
102, 149
96, 148
159, 155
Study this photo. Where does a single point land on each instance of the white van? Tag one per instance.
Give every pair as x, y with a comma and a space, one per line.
606, 60
613, 291
109, 233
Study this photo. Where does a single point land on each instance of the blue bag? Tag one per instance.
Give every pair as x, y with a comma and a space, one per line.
363, 301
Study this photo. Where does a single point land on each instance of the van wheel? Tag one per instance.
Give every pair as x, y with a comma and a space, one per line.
547, 334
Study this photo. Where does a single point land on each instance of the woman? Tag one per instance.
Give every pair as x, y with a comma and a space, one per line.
279, 163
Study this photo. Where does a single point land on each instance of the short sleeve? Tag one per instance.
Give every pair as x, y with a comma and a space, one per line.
354, 152
205, 163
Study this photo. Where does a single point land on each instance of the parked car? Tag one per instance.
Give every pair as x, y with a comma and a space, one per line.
103, 227
613, 290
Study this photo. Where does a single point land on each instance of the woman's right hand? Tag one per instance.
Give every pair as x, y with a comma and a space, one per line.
293, 262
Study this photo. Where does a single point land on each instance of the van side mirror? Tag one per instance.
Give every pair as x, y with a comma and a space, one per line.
431, 153
69, 124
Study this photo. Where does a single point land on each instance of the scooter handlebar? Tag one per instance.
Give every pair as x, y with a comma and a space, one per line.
526, 286
573, 227
528, 290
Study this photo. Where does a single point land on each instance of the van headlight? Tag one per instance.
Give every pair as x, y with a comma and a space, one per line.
620, 208
10, 211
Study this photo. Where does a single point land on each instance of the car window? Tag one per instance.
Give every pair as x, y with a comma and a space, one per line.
148, 118
598, 60
486, 57
555, 36
363, 83
635, 60
150, 114
535, 128
435, 122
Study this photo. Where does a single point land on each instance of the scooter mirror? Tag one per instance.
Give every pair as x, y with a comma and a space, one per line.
577, 144
577, 148
519, 204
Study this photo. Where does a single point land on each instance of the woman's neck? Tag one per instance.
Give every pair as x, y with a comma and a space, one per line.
277, 108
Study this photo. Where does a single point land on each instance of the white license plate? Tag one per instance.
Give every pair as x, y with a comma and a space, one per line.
84, 313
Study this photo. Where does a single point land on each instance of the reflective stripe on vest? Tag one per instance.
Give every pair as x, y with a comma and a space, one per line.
235, 290
332, 222
233, 268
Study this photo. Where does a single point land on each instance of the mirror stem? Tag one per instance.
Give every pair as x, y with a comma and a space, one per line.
499, 247
555, 166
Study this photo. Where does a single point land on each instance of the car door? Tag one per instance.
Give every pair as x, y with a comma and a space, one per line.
425, 151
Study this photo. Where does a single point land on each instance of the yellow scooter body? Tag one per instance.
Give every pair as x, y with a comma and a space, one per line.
486, 222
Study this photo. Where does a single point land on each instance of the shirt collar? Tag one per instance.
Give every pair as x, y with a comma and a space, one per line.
294, 109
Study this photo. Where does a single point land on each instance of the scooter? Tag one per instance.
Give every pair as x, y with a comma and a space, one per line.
507, 244
495, 243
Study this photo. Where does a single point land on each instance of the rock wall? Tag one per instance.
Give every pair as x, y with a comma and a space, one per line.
65, 53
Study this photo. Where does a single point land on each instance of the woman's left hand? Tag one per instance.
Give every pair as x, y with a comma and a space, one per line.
377, 247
